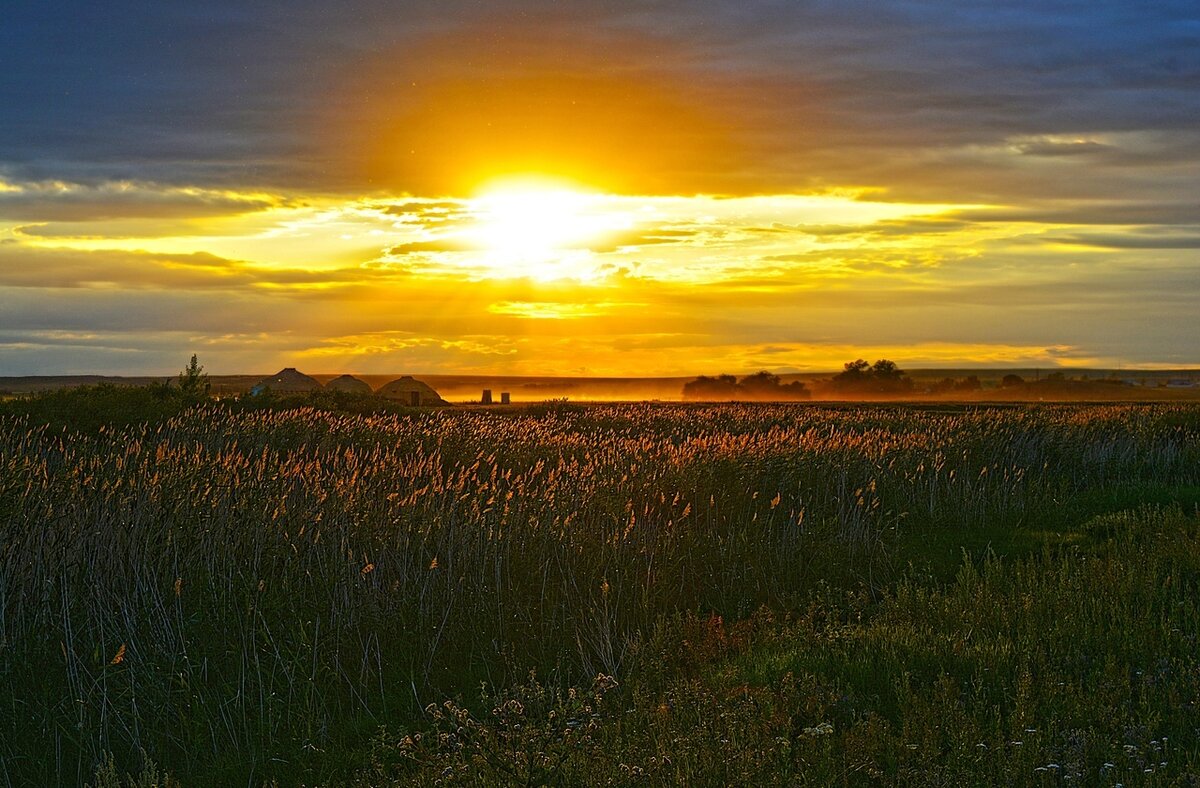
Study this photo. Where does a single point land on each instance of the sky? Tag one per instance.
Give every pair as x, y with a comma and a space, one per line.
636, 188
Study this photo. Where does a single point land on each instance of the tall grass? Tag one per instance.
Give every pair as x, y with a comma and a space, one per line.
1078, 665
278, 584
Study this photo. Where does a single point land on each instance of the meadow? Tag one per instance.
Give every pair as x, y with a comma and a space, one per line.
625, 594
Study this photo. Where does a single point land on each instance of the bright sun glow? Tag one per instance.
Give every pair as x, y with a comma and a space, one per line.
541, 229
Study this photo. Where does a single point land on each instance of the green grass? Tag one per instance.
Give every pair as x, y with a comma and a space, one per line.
289, 578
1074, 664
91, 408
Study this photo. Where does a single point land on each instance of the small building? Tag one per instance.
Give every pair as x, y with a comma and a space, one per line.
348, 384
286, 381
403, 390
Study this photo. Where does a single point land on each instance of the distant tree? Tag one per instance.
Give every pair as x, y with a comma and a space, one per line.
760, 381
855, 369
762, 386
882, 377
1011, 379
886, 370
721, 387
192, 380
765, 386
969, 383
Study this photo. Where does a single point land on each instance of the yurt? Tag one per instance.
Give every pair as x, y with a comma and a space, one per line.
348, 384
286, 381
410, 391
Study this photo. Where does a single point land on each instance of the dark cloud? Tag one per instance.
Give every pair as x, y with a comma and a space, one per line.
916, 95
59, 201
1116, 212
23, 267
1057, 148
1128, 241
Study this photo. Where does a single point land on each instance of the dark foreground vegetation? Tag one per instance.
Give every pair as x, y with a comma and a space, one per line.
247, 592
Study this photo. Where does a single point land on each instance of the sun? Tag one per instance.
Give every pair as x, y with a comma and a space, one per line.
541, 228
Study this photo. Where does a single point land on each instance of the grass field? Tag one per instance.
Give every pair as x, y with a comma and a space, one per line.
648, 594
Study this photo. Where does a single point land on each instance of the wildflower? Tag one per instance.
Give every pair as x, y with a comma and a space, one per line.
120, 656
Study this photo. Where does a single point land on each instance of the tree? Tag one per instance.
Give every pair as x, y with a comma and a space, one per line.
881, 377
722, 387
764, 386
855, 369
761, 387
886, 370
1010, 380
192, 380
760, 382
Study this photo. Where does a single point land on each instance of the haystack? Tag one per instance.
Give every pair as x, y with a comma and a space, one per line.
404, 389
349, 384
286, 381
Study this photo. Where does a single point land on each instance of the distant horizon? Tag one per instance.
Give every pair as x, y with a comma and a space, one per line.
968, 368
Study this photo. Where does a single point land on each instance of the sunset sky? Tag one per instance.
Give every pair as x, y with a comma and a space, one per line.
601, 188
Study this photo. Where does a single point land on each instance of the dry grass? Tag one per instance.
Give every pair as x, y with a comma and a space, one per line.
277, 584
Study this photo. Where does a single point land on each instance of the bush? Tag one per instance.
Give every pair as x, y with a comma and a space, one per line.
88, 408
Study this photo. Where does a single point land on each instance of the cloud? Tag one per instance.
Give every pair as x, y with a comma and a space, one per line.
1128, 241
1114, 212
423, 208
1056, 147
64, 201
849, 101
648, 236
25, 267
435, 245
258, 178
557, 310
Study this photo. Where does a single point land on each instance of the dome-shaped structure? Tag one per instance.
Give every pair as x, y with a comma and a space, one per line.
286, 381
410, 391
349, 384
